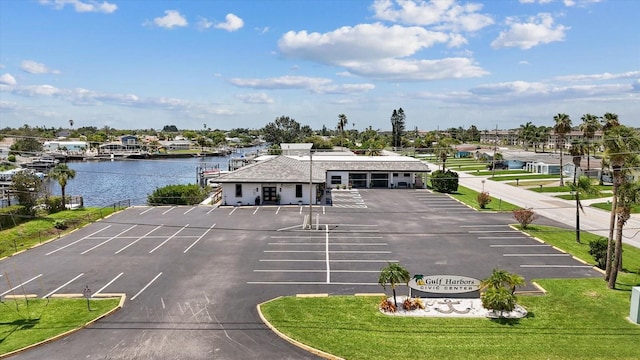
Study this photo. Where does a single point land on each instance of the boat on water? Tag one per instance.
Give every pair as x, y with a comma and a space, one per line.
43, 162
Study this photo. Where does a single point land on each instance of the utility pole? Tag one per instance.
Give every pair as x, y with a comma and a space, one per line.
495, 152
310, 189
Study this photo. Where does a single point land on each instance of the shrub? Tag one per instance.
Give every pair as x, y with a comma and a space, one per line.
11, 158
499, 299
598, 249
387, 305
524, 217
444, 181
13, 215
60, 225
177, 195
53, 204
483, 199
412, 304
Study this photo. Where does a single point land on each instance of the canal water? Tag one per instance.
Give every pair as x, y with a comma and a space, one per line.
102, 183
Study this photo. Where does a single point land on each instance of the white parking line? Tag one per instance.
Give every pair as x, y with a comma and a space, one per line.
169, 238
171, 208
490, 231
77, 241
256, 210
278, 210
146, 286
316, 271
210, 211
106, 241
333, 261
501, 237
333, 243
476, 226
144, 212
62, 286
557, 266
19, 285
537, 255
140, 238
104, 287
198, 239
518, 245
234, 210
326, 249
329, 252
305, 283
188, 211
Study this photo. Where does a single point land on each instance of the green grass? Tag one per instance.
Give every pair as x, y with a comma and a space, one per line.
577, 319
470, 198
583, 196
501, 172
524, 177
41, 229
22, 325
607, 206
566, 188
565, 239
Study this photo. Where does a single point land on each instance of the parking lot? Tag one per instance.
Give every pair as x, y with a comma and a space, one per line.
193, 275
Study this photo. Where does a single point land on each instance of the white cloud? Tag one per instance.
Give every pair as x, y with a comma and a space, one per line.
443, 14
283, 82
418, 70
82, 6
232, 23
171, 19
204, 24
344, 89
538, 30
33, 67
7, 79
255, 98
600, 77
37, 90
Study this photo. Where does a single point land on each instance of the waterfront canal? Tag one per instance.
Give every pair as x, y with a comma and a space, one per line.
102, 183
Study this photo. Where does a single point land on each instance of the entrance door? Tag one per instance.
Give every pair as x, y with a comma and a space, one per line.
380, 180
269, 193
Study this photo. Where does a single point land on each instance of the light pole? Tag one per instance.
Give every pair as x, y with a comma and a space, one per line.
310, 189
483, 180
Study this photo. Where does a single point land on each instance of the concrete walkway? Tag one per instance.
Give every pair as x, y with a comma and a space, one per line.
593, 220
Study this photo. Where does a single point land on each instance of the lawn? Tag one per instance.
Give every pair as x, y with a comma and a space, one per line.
470, 198
43, 228
607, 206
524, 177
577, 319
25, 323
583, 196
567, 188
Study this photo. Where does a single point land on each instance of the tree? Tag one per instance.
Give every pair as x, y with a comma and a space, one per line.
609, 121
62, 174
561, 128
282, 130
397, 127
622, 145
590, 124
342, 122
393, 274
583, 185
26, 145
27, 186
498, 290
628, 195
71, 123
526, 134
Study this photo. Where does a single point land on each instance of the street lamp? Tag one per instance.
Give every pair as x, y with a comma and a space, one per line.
310, 190
483, 181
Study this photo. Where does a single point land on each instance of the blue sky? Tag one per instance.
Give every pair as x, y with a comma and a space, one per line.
140, 64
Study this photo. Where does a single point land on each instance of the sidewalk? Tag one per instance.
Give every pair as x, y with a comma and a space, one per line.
593, 220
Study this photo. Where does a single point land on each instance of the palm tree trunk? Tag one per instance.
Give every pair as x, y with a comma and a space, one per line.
577, 216
612, 222
561, 168
617, 260
64, 205
394, 296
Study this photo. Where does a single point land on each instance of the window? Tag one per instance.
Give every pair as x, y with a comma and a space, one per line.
298, 191
336, 179
407, 175
238, 190
395, 174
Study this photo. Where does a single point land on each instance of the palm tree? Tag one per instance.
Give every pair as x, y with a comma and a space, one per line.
577, 150
71, 123
393, 274
561, 128
342, 122
526, 133
622, 145
582, 186
609, 121
590, 124
62, 174
628, 195
502, 279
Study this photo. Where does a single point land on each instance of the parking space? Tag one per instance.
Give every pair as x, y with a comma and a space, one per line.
186, 266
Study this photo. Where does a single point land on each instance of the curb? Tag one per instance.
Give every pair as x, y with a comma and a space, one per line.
308, 348
69, 332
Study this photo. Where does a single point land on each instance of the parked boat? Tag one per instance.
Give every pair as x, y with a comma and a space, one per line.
44, 162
